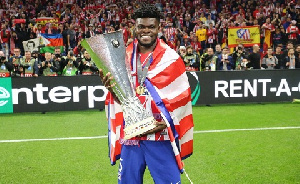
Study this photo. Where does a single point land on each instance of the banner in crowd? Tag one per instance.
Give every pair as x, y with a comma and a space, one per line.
51, 41
31, 45
45, 94
247, 35
47, 20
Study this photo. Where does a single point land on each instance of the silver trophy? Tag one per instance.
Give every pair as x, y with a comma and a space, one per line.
108, 52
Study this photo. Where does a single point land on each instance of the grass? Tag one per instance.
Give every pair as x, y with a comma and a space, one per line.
267, 156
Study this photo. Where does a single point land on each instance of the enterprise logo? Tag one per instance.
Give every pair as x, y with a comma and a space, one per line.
4, 96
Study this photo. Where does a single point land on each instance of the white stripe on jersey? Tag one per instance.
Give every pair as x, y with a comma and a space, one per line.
170, 56
183, 111
187, 136
176, 87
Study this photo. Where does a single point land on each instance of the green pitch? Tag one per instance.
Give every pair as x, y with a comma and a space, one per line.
251, 156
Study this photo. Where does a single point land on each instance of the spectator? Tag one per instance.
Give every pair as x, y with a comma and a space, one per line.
48, 67
71, 37
225, 61
201, 35
15, 60
292, 61
87, 65
71, 67
269, 61
191, 59
28, 66
4, 40
58, 60
293, 32
281, 59
90, 32
5, 66
182, 52
211, 36
238, 56
208, 60
254, 58
297, 53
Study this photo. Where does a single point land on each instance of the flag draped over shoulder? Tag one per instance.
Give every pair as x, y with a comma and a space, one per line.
173, 89
51, 41
247, 35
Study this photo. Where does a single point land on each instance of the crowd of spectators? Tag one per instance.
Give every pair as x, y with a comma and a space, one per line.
196, 29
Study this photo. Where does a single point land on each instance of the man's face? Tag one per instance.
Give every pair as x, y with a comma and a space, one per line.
27, 55
278, 49
270, 51
218, 48
225, 51
57, 51
47, 56
87, 55
289, 46
1, 53
146, 30
190, 51
298, 49
17, 52
210, 51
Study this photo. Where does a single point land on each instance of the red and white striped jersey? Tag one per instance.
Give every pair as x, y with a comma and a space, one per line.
268, 27
170, 33
293, 31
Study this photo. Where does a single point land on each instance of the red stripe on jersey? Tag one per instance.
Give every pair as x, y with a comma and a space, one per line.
181, 99
186, 148
163, 78
188, 123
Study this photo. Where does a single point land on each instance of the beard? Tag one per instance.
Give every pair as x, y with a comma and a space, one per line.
147, 45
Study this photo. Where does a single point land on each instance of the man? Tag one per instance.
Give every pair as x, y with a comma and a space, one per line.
60, 62
15, 60
269, 61
48, 67
153, 149
281, 59
254, 58
5, 67
90, 32
201, 34
239, 56
71, 68
225, 61
28, 66
191, 59
292, 31
292, 61
4, 39
87, 65
208, 60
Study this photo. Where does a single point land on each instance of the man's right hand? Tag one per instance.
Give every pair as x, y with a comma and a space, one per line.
106, 81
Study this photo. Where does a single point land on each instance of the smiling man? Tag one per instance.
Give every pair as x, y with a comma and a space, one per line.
165, 91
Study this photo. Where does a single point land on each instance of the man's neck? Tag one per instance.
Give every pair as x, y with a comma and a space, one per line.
144, 50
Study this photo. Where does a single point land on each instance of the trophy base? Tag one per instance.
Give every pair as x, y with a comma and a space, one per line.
139, 128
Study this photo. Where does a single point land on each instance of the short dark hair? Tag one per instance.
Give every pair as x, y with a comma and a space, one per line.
147, 11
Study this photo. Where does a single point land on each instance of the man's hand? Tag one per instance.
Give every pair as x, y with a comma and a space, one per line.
159, 127
106, 81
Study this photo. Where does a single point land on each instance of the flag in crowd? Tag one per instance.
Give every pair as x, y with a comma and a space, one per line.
247, 35
51, 41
